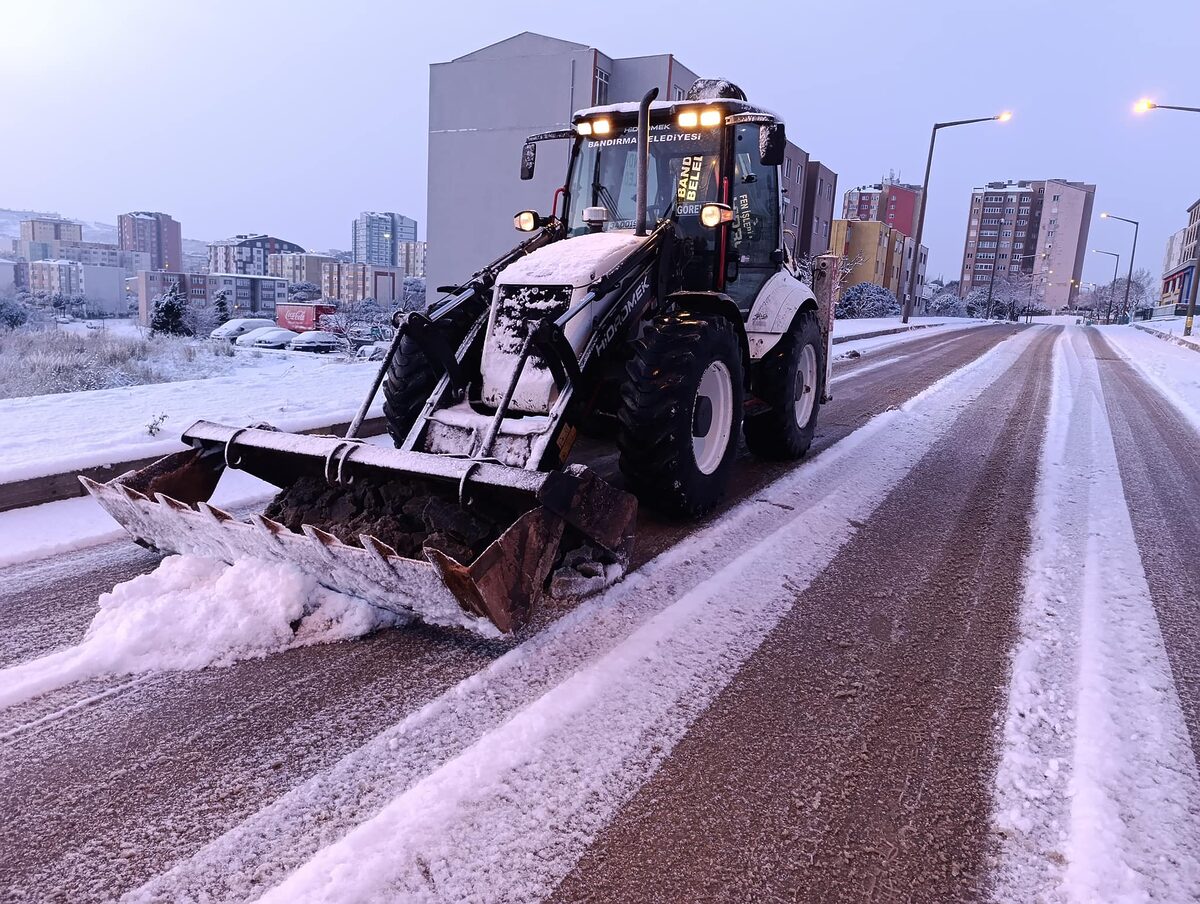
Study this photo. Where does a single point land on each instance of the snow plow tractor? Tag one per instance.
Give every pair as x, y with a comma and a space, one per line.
660, 307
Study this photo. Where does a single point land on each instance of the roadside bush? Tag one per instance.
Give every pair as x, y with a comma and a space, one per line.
51, 361
866, 300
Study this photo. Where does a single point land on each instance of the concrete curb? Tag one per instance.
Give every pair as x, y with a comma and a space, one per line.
1169, 337
888, 332
53, 487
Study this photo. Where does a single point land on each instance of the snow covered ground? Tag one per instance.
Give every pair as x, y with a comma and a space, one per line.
53, 434
1173, 370
858, 326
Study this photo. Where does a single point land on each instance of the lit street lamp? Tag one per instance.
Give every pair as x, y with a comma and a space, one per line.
1145, 105
911, 295
1116, 263
1113, 216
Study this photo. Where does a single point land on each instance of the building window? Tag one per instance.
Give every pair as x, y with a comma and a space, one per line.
1056, 197
677, 93
600, 89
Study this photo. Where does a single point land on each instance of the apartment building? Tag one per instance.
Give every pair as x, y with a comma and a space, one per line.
50, 229
358, 281
153, 233
103, 287
411, 258
1179, 267
376, 237
887, 255
247, 254
151, 284
895, 203
793, 179
245, 295
1035, 228
820, 189
298, 268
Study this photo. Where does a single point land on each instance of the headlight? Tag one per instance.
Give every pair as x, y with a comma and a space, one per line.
713, 215
710, 118
601, 126
688, 119
583, 128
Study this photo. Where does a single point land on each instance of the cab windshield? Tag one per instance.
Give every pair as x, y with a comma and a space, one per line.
683, 175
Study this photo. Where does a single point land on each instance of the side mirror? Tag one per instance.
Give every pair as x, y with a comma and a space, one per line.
772, 142
528, 159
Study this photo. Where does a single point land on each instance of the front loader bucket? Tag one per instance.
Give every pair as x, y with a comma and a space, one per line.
441, 581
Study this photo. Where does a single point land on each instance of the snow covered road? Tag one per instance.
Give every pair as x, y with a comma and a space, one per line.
803, 698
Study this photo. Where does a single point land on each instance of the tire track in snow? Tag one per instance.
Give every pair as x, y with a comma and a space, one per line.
436, 775
1097, 794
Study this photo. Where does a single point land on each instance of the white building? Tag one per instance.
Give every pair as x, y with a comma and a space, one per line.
376, 237
103, 287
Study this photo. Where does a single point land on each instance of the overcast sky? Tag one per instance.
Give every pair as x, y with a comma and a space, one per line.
290, 117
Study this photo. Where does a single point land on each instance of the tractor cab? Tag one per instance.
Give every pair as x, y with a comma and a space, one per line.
713, 169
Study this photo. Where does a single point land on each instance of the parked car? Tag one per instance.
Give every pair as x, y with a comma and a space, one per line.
317, 341
239, 326
364, 334
373, 352
246, 340
273, 338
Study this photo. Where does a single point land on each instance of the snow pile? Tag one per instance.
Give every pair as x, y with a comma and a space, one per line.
193, 612
1172, 369
572, 262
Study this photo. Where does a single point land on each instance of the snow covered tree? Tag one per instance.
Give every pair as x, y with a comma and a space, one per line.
304, 291
413, 297
947, 304
221, 307
169, 311
12, 314
866, 300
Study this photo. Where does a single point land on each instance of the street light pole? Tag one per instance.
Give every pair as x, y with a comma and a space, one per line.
1143, 106
911, 294
1132, 253
1112, 290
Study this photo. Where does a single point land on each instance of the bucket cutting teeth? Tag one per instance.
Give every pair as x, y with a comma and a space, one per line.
164, 506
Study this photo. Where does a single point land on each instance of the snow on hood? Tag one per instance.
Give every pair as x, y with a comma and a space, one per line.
572, 262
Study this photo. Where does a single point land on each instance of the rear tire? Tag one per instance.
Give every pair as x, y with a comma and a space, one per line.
680, 413
411, 378
791, 380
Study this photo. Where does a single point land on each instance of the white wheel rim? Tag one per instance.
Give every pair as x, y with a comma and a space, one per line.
806, 385
717, 386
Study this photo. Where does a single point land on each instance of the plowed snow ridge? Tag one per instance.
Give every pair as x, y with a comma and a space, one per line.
499, 785
1097, 794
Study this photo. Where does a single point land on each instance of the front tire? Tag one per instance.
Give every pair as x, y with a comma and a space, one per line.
791, 380
680, 413
411, 378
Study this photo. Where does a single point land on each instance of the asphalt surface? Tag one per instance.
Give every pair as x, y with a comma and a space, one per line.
850, 759
106, 783
1159, 458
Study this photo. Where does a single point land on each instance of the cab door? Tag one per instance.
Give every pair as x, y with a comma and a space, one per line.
754, 236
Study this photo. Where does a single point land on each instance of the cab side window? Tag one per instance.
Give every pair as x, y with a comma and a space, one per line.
754, 233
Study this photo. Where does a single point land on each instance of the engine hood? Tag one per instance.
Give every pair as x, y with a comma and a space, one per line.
574, 262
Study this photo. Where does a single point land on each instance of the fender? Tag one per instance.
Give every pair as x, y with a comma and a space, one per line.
782, 299
721, 304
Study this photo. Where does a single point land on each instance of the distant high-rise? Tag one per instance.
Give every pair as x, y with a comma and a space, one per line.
155, 233
376, 237
1035, 228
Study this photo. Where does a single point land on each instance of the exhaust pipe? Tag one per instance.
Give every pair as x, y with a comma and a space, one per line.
643, 158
